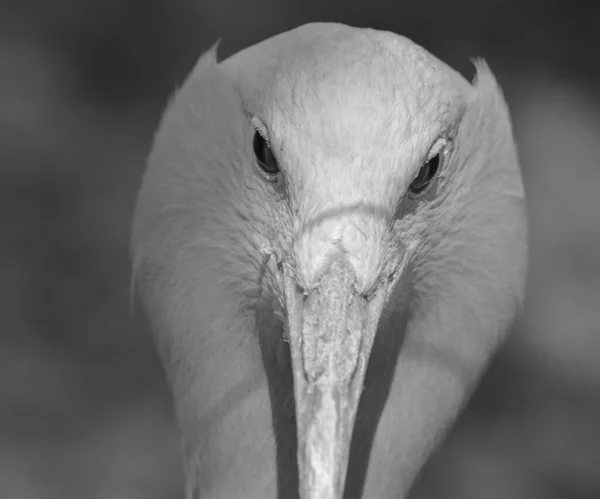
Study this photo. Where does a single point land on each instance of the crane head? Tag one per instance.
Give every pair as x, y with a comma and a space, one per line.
360, 159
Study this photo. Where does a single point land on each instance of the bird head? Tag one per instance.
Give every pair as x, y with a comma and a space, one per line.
354, 136
353, 158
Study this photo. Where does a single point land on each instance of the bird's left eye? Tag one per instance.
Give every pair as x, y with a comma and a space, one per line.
265, 157
426, 174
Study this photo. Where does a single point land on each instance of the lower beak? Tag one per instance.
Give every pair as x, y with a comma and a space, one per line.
331, 334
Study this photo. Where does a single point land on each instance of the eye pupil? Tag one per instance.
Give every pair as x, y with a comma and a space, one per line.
426, 175
264, 155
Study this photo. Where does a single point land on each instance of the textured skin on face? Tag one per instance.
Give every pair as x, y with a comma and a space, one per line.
351, 115
341, 103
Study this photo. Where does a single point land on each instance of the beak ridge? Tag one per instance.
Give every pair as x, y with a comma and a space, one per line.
331, 334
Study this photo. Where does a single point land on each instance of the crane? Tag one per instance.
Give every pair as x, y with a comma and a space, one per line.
330, 244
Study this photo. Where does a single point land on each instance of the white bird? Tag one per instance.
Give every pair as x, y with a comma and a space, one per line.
329, 199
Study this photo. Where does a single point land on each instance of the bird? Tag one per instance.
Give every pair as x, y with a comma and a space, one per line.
329, 245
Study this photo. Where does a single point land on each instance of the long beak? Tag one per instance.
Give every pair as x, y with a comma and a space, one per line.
331, 334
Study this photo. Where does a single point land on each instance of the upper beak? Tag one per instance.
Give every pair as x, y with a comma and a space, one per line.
331, 334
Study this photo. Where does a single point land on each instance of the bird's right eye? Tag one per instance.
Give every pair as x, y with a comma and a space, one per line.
265, 157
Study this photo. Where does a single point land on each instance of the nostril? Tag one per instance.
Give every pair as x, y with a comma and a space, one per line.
370, 292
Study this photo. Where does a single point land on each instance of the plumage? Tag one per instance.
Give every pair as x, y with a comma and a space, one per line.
265, 296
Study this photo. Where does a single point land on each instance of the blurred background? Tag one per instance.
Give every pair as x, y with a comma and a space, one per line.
84, 410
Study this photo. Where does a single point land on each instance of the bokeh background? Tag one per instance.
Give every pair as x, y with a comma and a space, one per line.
84, 411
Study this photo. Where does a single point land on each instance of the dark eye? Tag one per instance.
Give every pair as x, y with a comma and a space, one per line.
264, 156
426, 175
